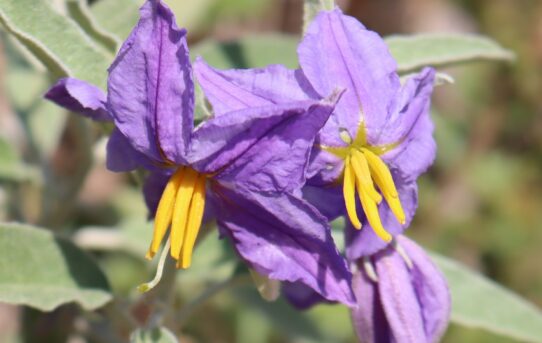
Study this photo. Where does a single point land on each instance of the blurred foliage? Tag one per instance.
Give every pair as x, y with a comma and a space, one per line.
480, 203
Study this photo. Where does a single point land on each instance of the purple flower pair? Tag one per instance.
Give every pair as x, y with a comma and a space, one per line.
375, 145
240, 168
339, 136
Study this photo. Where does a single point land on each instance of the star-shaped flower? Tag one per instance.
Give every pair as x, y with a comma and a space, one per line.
377, 141
241, 166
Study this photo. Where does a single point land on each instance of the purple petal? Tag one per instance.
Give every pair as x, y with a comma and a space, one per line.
264, 149
327, 199
365, 242
368, 317
230, 90
431, 289
399, 298
411, 124
324, 168
121, 156
301, 296
286, 239
151, 92
80, 96
338, 51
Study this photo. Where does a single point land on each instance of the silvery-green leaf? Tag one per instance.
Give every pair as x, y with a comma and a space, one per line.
249, 52
79, 11
117, 17
43, 271
60, 44
480, 303
413, 52
155, 335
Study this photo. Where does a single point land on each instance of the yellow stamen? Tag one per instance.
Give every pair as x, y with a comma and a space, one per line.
363, 175
181, 206
348, 193
181, 211
197, 207
373, 217
382, 177
164, 212
380, 169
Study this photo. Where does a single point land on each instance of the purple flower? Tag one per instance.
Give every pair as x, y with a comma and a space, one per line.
242, 165
402, 297
377, 141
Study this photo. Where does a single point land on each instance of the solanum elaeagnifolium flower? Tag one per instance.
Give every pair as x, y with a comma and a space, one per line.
402, 297
376, 143
240, 167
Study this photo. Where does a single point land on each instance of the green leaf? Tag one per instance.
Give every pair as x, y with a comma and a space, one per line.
43, 271
156, 335
55, 40
79, 11
480, 303
413, 52
250, 51
12, 168
116, 16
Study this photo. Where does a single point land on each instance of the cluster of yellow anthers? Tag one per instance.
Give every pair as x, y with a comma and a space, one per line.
362, 169
181, 207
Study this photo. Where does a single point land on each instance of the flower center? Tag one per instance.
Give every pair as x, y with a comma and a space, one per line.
363, 168
181, 207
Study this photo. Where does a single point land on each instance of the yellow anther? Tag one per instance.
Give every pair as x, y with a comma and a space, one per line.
349, 185
181, 206
197, 207
382, 177
373, 217
363, 175
381, 171
181, 211
164, 211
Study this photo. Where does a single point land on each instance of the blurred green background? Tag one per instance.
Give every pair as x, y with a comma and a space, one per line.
481, 203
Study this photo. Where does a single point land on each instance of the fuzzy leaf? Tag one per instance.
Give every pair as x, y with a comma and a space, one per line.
249, 52
80, 12
413, 52
480, 303
117, 17
43, 271
55, 40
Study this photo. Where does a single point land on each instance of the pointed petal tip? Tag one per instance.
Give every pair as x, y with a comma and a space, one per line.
164, 10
